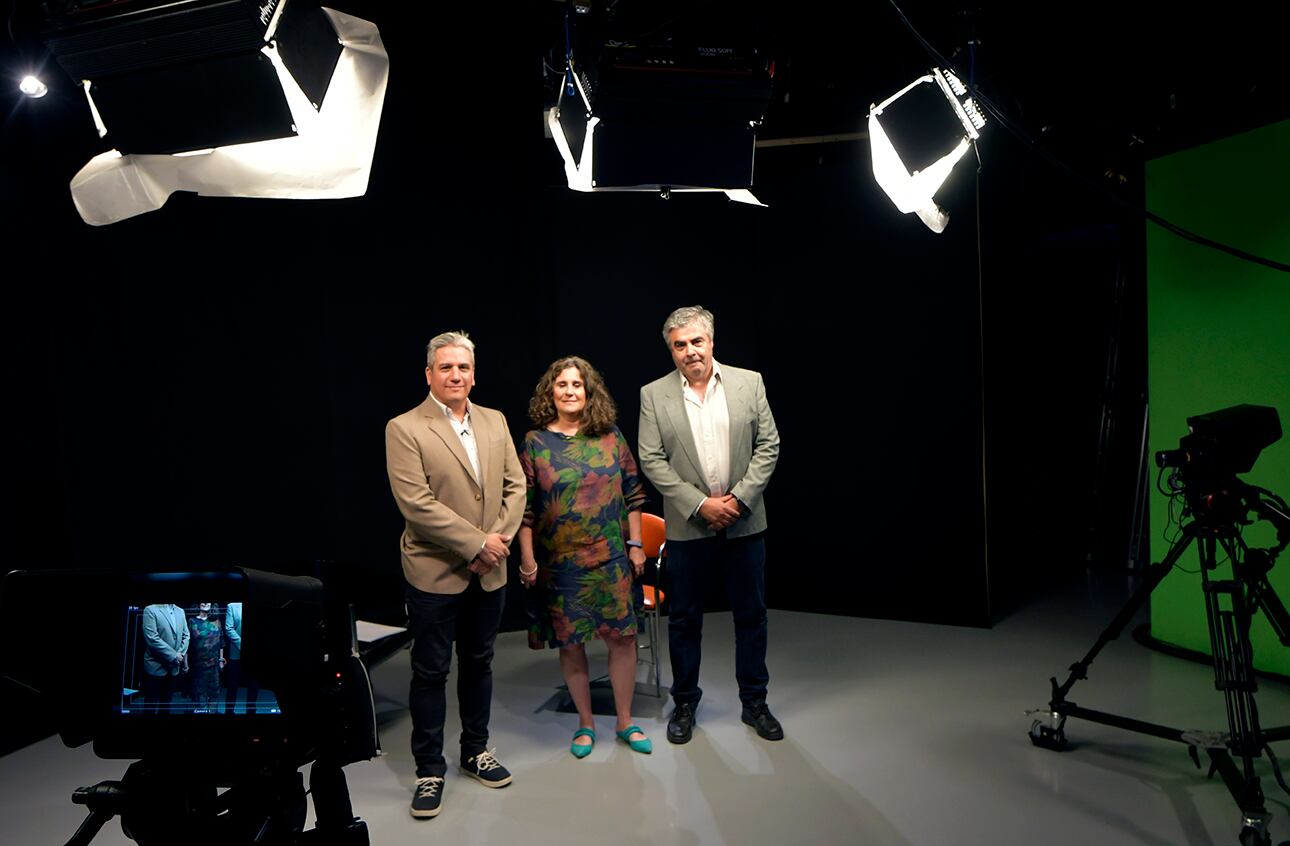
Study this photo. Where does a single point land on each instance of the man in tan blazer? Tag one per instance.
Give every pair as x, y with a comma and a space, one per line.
458, 482
709, 444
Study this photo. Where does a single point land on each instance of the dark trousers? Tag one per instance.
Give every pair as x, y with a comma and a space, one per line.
436, 620
158, 691
234, 679
744, 562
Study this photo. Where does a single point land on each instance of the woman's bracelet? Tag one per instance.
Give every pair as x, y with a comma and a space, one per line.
636, 544
524, 572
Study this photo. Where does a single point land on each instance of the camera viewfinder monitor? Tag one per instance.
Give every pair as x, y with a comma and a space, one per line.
184, 660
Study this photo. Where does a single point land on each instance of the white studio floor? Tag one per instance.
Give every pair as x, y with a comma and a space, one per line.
897, 733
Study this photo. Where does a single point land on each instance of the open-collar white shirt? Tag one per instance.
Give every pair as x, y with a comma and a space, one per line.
710, 426
465, 432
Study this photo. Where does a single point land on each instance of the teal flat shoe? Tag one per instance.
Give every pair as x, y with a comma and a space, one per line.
582, 750
644, 745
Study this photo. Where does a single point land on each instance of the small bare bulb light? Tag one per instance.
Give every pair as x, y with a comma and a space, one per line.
33, 87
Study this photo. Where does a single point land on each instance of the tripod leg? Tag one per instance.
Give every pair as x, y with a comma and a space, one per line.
105, 800
90, 827
1228, 614
330, 791
1154, 576
1052, 734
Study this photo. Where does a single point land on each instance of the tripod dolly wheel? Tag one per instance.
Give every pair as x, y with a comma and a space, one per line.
1251, 836
1049, 737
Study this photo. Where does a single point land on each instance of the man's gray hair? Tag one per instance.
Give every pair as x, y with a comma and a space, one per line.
684, 317
449, 339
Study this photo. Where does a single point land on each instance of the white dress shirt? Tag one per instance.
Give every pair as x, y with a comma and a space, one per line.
710, 426
466, 433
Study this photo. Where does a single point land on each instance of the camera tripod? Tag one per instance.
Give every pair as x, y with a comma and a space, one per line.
1229, 608
171, 803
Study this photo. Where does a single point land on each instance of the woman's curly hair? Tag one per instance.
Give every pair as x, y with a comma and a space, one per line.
599, 414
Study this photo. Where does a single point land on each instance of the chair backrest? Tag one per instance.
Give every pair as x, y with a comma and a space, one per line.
653, 534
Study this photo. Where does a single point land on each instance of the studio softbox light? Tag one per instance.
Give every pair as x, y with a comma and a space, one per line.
277, 98
663, 118
916, 136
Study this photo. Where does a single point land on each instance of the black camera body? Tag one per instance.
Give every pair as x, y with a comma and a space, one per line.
228, 679
1223, 443
1218, 446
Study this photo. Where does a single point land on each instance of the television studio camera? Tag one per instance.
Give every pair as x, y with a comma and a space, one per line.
1216, 508
135, 663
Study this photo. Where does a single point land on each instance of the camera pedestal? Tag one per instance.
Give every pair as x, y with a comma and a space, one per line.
1230, 605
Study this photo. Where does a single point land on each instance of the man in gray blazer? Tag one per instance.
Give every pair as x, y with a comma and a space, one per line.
458, 482
708, 443
165, 653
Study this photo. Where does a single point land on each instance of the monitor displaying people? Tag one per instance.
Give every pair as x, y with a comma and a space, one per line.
187, 659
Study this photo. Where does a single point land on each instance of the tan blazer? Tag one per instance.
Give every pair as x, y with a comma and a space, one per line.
665, 447
448, 511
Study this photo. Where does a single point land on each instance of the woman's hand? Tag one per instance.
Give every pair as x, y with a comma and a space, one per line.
636, 555
528, 571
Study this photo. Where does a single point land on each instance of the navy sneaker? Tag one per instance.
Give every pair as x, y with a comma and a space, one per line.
427, 797
487, 769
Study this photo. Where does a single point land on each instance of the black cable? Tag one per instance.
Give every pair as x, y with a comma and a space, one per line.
1276, 767
1030, 143
1160, 475
1172, 531
1168, 226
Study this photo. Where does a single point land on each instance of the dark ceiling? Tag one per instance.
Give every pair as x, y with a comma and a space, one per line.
1104, 85
1149, 76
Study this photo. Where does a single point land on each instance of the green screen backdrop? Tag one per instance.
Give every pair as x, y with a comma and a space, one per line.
1219, 335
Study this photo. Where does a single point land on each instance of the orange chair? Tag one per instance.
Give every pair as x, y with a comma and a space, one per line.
654, 542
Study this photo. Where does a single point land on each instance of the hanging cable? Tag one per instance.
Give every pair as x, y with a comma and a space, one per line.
1030, 143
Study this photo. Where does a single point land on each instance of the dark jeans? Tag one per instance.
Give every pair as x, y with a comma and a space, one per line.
471, 619
744, 562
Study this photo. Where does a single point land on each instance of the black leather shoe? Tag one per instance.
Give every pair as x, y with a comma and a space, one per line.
760, 718
680, 726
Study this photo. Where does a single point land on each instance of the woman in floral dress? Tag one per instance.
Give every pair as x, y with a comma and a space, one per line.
206, 654
580, 541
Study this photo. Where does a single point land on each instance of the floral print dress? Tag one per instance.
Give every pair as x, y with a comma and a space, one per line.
580, 490
203, 658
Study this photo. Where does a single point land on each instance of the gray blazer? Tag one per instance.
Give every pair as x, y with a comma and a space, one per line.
165, 635
233, 629
669, 458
